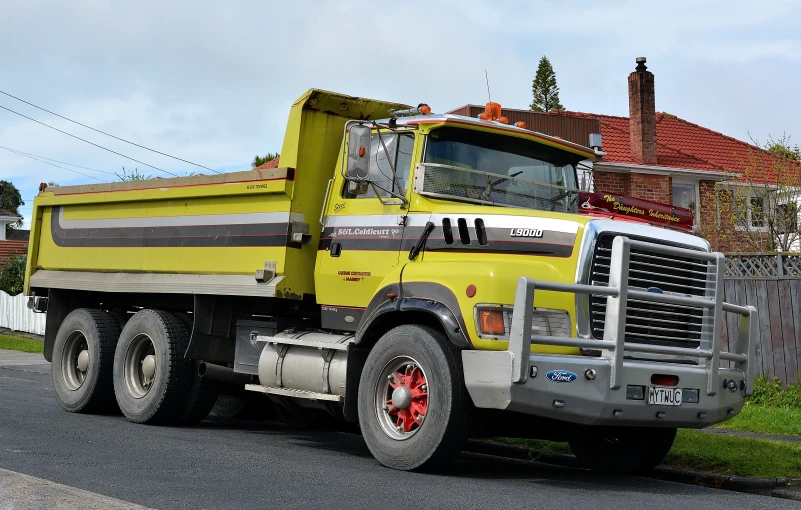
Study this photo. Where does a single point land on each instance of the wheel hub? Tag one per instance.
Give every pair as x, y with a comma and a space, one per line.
402, 397
140, 366
149, 366
83, 360
405, 399
75, 360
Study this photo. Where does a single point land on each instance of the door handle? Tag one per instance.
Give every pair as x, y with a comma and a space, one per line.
336, 249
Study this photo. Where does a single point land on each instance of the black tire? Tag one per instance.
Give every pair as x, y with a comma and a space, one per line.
443, 430
93, 390
203, 392
162, 397
228, 407
623, 450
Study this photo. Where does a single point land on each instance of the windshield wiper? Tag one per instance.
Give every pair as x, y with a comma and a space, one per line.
421, 241
562, 195
488, 190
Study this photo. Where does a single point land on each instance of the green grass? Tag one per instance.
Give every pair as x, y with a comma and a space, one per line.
760, 458
710, 453
20, 343
771, 410
766, 420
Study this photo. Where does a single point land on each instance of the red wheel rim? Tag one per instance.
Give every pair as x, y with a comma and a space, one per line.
411, 417
402, 398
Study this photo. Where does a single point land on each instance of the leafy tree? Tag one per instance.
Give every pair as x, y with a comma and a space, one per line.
783, 148
12, 273
132, 175
544, 89
11, 200
258, 160
759, 210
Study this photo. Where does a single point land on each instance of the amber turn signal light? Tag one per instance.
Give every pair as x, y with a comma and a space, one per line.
521, 124
491, 322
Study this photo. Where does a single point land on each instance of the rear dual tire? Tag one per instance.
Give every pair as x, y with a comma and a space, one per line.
152, 379
83, 357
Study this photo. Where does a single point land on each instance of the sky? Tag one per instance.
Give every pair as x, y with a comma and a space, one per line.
212, 82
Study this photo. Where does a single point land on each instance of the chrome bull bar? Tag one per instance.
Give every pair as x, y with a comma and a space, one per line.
613, 346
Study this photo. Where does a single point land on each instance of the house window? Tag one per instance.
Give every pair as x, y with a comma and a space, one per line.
787, 218
757, 212
685, 194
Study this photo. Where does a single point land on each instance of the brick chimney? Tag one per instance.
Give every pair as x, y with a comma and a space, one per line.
642, 114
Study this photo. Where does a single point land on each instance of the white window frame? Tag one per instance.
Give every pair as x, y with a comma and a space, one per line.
750, 227
696, 185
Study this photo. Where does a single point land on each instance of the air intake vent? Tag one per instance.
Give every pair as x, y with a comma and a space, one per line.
464, 234
446, 230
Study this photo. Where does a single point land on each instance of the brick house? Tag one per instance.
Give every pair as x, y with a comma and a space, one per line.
10, 244
657, 156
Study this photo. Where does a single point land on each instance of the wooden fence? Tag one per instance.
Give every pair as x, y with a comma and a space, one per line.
771, 283
14, 314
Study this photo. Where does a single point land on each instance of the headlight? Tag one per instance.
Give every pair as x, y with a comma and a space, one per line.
494, 322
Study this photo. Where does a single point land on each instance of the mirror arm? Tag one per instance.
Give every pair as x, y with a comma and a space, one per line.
391, 164
377, 187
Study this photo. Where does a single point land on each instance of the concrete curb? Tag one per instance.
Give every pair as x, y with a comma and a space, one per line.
786, 488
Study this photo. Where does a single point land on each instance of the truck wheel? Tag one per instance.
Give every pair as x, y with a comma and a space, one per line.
203, 392
83, 357
412, 400
228, 407
623, 450
152, 379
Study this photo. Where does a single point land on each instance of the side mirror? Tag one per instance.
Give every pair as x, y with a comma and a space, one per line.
358, 152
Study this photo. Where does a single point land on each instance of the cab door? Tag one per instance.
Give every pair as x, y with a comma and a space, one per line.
361, 239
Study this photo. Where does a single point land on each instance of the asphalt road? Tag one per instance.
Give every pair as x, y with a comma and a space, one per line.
266, 465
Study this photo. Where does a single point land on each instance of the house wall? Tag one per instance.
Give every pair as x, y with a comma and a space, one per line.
656, 188
611, 182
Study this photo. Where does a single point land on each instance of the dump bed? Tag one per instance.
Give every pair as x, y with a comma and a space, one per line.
204, 234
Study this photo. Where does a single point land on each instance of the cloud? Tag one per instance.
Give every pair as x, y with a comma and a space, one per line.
213, 81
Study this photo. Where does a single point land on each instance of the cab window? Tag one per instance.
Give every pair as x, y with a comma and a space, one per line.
399, 147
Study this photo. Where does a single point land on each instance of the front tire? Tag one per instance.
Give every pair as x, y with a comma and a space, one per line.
83, 357
623, 450
152, 380
412, 400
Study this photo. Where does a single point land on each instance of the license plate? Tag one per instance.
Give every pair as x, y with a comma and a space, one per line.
664, 396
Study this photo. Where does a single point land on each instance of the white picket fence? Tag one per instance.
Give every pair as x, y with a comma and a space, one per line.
14, 314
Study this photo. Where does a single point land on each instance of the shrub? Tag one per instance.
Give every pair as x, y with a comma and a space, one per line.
12, 274
771, 394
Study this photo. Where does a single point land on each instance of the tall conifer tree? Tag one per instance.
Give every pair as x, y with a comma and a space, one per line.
544, 89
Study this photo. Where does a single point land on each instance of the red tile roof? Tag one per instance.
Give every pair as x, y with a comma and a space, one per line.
273, 163
680, 144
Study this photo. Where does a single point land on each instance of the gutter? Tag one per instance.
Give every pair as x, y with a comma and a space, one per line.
663, 170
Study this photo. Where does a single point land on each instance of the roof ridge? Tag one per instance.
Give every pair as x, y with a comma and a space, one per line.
576, 113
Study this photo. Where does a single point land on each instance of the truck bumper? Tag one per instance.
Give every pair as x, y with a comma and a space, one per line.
591, 401
600, 390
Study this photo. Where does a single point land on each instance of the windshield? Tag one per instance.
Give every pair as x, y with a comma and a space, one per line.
499, 170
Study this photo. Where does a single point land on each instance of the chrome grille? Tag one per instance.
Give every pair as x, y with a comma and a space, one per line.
652, 323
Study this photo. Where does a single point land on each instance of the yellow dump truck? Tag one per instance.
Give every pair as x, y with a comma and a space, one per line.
429, 277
